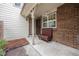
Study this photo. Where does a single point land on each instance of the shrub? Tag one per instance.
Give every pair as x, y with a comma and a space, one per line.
2, 46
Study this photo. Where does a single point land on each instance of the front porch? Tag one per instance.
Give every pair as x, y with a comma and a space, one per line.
42, 48
62, 21
65, 33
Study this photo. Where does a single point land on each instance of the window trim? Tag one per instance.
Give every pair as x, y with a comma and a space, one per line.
48, 19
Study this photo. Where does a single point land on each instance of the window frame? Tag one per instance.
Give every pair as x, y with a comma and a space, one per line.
47, 14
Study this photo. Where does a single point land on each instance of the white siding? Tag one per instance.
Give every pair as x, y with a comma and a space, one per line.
15, 26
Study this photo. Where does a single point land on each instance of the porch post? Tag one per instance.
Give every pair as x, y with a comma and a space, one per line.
32, 16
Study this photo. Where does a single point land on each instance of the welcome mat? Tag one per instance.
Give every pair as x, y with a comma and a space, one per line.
12, 44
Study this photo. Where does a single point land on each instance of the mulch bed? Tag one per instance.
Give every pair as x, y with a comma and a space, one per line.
12, 44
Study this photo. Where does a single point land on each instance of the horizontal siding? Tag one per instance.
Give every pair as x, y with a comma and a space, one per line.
15, 26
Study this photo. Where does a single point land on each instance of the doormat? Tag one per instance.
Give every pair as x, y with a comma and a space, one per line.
13, 44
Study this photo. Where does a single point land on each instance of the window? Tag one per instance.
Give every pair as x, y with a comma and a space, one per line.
49, 20
44, 21
18, 5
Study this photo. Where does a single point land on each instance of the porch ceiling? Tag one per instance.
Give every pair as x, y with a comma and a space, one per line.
40, 8
27, 8
43, 8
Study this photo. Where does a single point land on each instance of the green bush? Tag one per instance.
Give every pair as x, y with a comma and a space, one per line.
2, 52
2, 45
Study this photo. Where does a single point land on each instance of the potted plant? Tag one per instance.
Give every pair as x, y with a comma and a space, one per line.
2, 47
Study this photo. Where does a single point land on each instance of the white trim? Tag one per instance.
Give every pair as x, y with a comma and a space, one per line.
47, 19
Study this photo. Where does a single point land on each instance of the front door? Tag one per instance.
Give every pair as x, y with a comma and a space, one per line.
30, 26
38, 26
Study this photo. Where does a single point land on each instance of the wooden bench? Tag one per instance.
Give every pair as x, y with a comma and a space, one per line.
47, 34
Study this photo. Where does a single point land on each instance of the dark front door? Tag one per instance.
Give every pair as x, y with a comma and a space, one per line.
38, 26
30, 26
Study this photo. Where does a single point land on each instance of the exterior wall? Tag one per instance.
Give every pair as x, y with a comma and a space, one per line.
1, 29
67, 31
15, 26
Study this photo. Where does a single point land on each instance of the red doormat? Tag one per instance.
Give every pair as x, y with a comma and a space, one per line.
12, 44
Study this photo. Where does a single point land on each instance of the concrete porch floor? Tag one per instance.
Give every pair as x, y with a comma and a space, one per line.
49, 49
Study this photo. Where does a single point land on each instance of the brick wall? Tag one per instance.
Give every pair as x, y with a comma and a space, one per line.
67, 31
